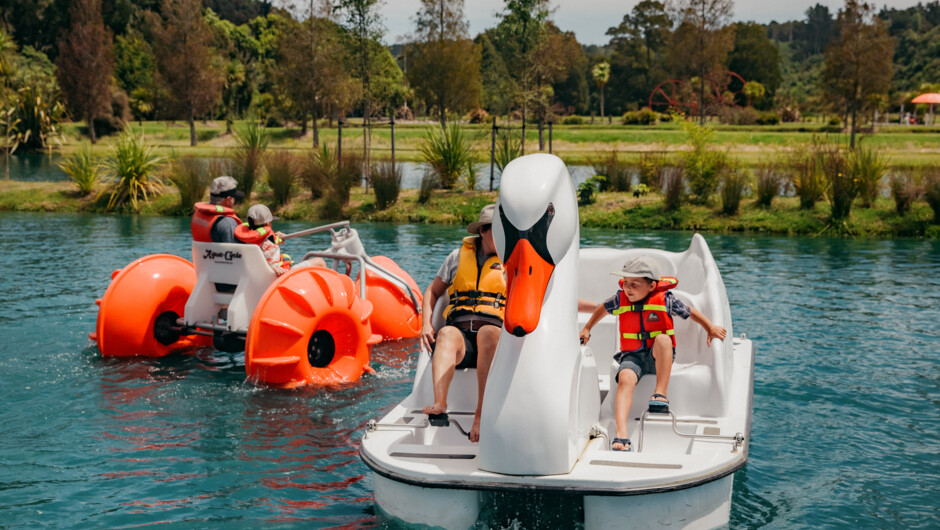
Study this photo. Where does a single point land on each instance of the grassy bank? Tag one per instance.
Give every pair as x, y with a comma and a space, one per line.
576, 144
611, 210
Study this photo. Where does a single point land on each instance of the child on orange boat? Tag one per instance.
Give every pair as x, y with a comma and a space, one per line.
647, 338
258, 231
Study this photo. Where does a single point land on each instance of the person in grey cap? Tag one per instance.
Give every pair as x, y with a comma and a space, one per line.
216, 221
645, 307
472, 277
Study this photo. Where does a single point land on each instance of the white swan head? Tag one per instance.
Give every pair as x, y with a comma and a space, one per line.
535, 228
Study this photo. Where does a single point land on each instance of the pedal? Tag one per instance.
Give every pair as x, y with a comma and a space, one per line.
439, 420
662, 408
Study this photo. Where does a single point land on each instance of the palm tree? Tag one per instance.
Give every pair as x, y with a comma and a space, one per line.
601, 74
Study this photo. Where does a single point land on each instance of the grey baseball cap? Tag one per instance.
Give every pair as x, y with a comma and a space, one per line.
639, 267
225, 186
259, 215
486, 218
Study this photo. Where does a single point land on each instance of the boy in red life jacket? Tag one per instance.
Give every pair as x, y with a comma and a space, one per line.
258, 231
645, 308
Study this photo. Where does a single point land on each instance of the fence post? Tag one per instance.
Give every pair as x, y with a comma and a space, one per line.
363, 177
339, 141
492, 153
549, 136
522, 152
392, 123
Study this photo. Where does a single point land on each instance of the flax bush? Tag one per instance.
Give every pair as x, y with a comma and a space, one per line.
281, 167
133, 166
83, 168
869, 167
386, 183
447, 152
841, 184
508, 148
249, 156
316, 170
191, 179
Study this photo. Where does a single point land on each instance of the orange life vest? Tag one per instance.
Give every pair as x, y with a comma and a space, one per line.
476, 290
643, 321
257, 236
205, 216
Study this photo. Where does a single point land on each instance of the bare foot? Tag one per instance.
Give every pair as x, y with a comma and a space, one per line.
436, 408
475, 430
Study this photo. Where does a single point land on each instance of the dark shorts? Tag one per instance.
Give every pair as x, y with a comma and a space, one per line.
640, 362
470, 344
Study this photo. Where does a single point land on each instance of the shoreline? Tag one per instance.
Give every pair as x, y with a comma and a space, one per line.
612, 210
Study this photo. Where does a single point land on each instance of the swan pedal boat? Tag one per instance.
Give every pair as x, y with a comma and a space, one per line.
548, 411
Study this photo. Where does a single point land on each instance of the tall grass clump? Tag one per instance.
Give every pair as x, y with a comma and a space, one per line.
316, 170
281, 167
651, 168
673, 188
932, 193
133, 166
191, 179
806, 173
869, 167
447, 152
841, 185
249, 156
703, 166
508, 148
386, 183
471, 178
618, 173
735, 182
769, 182
83, 168
906, 187
429, 183
341, 181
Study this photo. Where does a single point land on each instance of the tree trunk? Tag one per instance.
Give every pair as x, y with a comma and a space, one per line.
852, 137
316, 130
602, 101
192, 130
303, 125
91, 130
541, 134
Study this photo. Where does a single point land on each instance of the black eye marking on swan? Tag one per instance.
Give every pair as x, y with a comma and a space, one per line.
537, 234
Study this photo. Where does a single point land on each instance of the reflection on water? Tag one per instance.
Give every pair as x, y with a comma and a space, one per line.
845, 410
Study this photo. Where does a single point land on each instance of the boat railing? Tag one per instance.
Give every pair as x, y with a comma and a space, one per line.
737, 439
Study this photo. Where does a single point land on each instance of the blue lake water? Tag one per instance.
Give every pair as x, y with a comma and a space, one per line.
846, 407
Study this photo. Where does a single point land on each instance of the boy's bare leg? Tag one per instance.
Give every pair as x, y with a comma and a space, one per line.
487, 338
449, 350
662, 354
625, 385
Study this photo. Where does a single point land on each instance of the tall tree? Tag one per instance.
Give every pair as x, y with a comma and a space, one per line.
703, 30
859, 62
818, 28
363, 23
84, 63
754, 58
311, 71
445, 63
601, 75
187, 64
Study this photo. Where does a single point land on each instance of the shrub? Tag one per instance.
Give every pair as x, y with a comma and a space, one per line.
734, 183
386, 183
906, 188
768, 184
702, 165
470, 176
508, 148
932, 193
478, 116
618, 172
249, 154
768, 118
133, 166
282, 172
643, 116
588, 188
447, 152
651, 168
790, 115
572, 120
83, 168
834, 121
316, 169
37, 114
429, 183
191, 179
806, 174
738, 116
673, 187
869, 167
841, 184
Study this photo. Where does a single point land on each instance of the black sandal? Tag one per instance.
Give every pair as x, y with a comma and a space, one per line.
657, 406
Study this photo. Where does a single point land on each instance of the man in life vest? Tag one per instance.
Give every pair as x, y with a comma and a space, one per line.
645, 309
215, 221
472, 277
258, 231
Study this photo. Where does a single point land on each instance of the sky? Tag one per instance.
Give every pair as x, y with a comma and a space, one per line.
589, 19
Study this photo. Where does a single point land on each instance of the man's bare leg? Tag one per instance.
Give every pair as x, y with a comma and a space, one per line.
449, 350
487, 338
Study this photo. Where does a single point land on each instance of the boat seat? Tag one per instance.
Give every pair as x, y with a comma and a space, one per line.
690, 390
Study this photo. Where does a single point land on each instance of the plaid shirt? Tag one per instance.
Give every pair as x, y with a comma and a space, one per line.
674, 306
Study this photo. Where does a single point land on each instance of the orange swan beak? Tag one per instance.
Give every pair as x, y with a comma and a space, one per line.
527, 276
